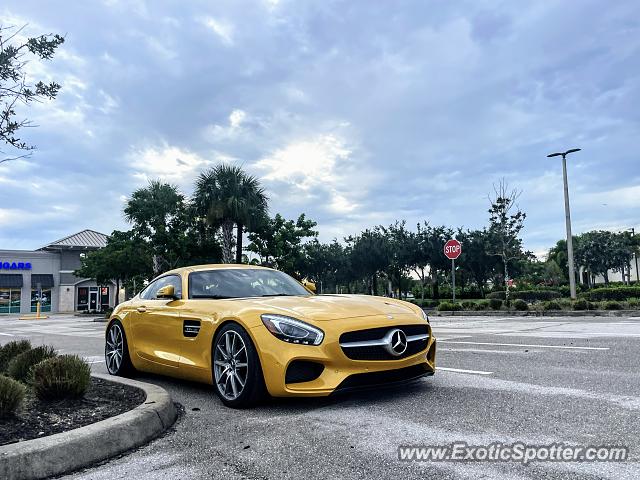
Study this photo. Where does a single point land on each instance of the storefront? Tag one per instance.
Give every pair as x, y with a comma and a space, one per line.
47, 275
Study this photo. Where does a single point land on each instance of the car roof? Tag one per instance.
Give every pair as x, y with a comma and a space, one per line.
214, 266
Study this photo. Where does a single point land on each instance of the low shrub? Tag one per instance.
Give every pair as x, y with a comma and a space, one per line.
468, 305
593, 305
482, 305
108, 312
66, 376
426, 303
20, 366
496, 296
552, 305
535, 295
11, 350
521, 305
495, 303
619, 294
634, 303
11, 395
449, 307
613, 305
580, 305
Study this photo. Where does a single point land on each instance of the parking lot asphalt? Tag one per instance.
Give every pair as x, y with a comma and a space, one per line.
534, 380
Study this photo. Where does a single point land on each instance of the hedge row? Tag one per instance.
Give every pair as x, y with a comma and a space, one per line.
616, 293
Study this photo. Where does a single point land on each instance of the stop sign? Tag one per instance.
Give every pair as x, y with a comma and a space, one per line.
452, 249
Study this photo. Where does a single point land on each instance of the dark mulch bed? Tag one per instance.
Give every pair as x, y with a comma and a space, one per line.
37, 419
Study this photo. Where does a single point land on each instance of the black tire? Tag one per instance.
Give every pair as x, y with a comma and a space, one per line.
123, 367
226, 375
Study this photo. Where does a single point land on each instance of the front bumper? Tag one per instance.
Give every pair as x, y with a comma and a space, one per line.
339, 372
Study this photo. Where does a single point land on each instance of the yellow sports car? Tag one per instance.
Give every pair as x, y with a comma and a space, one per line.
252, 330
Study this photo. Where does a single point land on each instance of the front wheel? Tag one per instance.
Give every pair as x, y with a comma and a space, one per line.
116, 351
237, 374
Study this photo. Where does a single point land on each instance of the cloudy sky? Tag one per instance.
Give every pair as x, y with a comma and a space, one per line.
356, 113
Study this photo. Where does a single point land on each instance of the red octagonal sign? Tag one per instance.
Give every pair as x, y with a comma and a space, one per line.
452, 249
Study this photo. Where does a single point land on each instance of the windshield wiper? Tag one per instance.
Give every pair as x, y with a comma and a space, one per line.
216, 297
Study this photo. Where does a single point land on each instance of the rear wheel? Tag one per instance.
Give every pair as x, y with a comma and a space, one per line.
237, 374
116, 351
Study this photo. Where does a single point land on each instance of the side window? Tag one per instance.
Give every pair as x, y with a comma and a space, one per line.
149, 293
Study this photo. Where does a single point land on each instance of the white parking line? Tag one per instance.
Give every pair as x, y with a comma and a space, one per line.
459, 370
526, 345
8, 334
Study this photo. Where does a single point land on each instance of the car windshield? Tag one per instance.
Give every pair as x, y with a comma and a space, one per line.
241, 283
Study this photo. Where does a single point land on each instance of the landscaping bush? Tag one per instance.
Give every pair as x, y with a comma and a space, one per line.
426, 303
521, 305
495, 303
613, 306
594, 305
449, 307
552, 305
496, 296
20, 366
66, 376
482, 305
11, 395
617, 293
10, 350
108, 312
535, 295
580, 305
634, 304
468, 305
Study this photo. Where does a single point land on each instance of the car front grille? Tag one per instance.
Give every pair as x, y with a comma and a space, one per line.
387, 377
368, 344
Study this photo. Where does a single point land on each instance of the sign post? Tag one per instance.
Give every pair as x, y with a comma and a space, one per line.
452, 250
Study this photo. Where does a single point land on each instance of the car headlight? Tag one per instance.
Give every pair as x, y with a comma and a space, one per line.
292, 330
424, 315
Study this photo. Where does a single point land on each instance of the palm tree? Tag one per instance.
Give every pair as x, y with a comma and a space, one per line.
226, 195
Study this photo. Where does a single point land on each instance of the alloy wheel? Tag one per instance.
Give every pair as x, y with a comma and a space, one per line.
230, 365
114, 350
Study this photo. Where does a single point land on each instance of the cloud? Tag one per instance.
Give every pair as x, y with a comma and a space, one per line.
352, 114
222, 29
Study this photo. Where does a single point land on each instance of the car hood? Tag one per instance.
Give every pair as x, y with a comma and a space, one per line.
332, 307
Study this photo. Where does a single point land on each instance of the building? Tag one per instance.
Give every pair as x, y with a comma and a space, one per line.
47, 273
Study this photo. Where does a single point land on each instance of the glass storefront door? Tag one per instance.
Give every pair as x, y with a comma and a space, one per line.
83, 298
45, 299
9, 300
104, 298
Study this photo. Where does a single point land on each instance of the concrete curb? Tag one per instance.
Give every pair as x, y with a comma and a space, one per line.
550, 313
85, 446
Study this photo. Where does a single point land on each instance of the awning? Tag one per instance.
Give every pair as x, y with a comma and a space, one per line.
44, 279
10, 280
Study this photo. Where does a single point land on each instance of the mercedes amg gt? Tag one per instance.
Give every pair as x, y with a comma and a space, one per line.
251, 331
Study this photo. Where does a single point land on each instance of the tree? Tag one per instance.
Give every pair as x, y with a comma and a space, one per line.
558, 254
474, 258
16, 88
279, 242
600, 251
368, 255
506, 220
325, 263
399, 245
160, 215
124, 257
225, 195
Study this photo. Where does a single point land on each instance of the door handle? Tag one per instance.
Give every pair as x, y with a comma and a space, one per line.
141, 309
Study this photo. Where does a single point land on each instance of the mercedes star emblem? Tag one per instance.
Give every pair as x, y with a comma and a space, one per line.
396, 342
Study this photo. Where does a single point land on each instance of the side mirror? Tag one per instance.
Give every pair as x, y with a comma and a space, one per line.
309, 285
167, 292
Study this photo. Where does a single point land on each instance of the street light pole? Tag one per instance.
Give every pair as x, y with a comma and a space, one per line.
635, 255
567, 214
